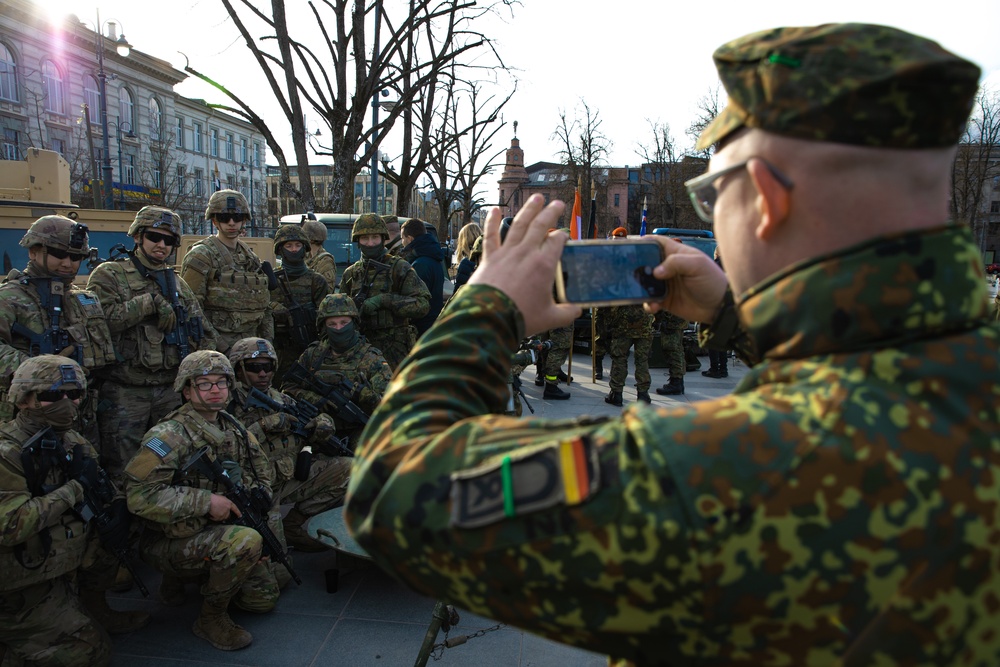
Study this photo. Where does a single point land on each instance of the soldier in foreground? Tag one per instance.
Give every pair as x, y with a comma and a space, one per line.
310, 467
42, 312
227, 277
386, 290
156, 321
53, 571
318, 259
187, 515
845, 495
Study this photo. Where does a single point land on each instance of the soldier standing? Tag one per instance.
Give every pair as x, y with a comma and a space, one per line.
672, 343
42, 312
227, 277
319, 260
629, 327
342, 354
322, 483
386, 290
295, 300
185, 514
47, 552
142, 297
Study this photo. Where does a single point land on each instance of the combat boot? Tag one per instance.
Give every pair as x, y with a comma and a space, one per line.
562, 377
673, 388
614, 398
599, 369
172, 591
297, 536
539, 380
643, 396
554, 393
114, 622
214, 626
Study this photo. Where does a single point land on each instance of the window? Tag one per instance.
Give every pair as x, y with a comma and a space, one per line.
256, 154
274, 190
229, 147
995, 207
155, 119
230, 182
179, 133
126, 109
199, 182
214, 142
92, 96
58, 145
8, 75
196, 129
128, 167
319, 189
180, 180
9, 148
52, 81
617, 200
157, 177
243, 151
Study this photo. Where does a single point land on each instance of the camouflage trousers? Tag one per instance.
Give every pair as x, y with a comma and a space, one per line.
45, 624
127, 412
229, 555
324, 489
620, 345
672, 344
552, 360
394, 343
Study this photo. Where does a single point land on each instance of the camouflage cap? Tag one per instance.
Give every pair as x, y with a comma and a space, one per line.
227, 201
156, 217
369, 223
290, 231
390, 220
203, 362
315, 230
335, 305
57, 231
251, 348
46, 372
849, 83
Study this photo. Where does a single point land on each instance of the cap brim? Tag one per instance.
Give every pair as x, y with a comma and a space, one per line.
728, 121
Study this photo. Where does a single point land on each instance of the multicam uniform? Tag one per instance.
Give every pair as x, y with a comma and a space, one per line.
319, 260
138, 392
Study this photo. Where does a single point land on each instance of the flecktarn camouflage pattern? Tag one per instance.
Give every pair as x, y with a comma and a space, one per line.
848, 492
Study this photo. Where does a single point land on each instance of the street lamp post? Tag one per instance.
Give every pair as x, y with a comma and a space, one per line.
250, 160
123, 48
127, 126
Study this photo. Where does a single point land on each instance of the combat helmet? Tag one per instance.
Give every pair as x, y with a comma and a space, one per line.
156, 217
57, 231
290, 232
203, 362
315, 230
251, 348
369, 223
46, 372
227, 201
335, 305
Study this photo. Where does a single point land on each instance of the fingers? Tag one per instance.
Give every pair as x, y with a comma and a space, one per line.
491, 231
234, 509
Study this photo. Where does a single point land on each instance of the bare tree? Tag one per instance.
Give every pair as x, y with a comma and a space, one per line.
977, 165
706, 109
323, 78
663, 172
584, 149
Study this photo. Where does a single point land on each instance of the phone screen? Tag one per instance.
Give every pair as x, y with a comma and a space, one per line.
611, 271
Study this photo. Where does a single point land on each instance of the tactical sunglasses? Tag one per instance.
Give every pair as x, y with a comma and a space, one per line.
235, 217
259, 366
51, 396
63, 254
169, 240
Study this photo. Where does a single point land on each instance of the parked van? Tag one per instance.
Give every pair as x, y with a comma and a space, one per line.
338, 234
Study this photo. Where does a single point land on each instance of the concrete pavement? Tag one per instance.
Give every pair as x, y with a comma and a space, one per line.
371, 619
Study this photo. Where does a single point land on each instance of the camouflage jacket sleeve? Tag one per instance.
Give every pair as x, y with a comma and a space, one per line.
378, 374
726, 332
208, 333
348, 279
10, 357
196, 269
149, 479
21, 515
325, 265
122, 309
320, 288
413, 299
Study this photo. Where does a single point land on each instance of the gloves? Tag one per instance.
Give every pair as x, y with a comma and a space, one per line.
321, 427
167, 318
83, 469
278, 422
372, 304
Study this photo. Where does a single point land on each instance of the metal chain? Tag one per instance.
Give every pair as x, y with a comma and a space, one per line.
437, 651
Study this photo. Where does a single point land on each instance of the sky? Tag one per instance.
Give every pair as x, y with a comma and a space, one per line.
633, 61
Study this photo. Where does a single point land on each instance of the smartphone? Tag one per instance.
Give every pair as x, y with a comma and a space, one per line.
609, 272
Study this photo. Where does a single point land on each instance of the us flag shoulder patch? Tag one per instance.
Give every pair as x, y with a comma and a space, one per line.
159, 447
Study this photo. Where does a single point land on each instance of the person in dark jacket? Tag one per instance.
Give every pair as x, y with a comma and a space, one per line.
425, 255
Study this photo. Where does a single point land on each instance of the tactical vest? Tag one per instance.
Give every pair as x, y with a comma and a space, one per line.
301, 291
280, 445
237, 298
31, 563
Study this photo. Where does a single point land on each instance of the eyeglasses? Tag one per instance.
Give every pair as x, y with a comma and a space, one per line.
169, 240
53, 395
63, 254
703, 192
206, 385
259, 366
224, 217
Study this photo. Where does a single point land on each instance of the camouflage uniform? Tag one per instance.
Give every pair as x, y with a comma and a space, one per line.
29, 298
393, 296
672, 343
305, 291
824, 513
230, 284
180, 539
629, 326
137, 393
327, 481
319, 260
46, 550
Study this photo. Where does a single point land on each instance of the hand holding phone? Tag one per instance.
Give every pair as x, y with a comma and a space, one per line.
597, 273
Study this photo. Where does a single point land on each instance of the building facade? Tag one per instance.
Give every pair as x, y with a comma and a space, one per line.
164, 149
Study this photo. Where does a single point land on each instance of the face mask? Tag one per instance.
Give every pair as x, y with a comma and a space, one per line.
372, 252
344, 339
293, 262
59, 415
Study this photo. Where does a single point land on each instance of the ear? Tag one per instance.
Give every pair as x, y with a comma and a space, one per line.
772, 202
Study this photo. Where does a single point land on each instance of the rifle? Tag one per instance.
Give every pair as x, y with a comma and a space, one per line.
304, 412
253, 505
110, 515
303, 317
187, 328
343, 404
362, 294
54, 339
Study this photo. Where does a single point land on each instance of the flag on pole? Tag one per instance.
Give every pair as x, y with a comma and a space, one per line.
592, 228
642, 225
217, 181
576, 222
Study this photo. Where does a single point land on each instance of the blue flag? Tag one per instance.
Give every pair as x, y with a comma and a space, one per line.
642, 225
